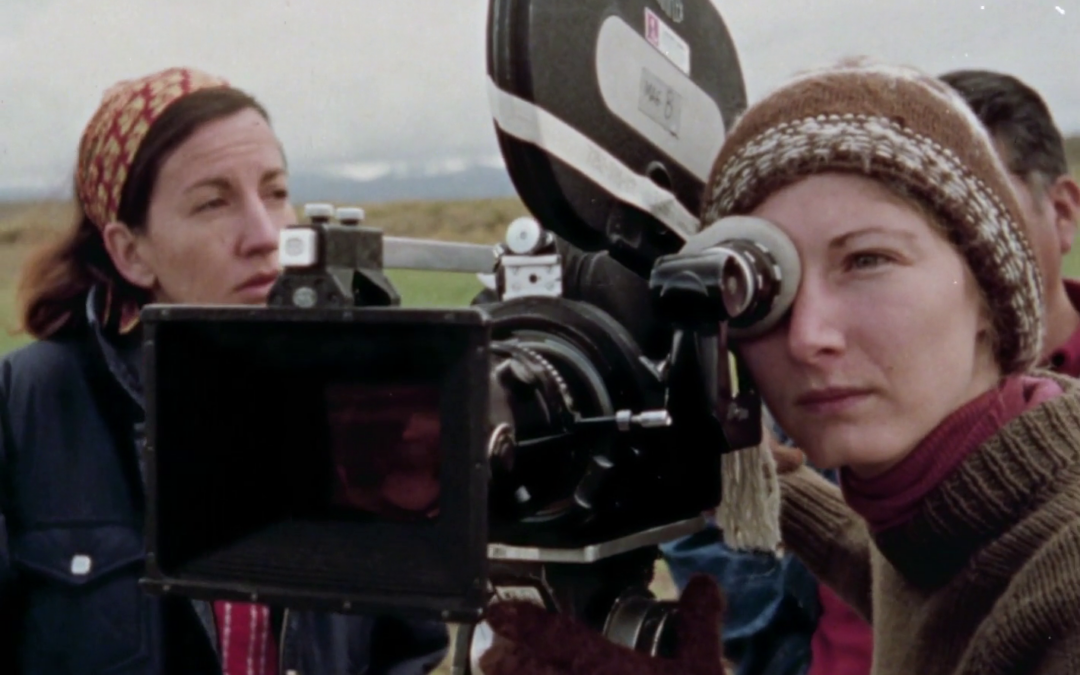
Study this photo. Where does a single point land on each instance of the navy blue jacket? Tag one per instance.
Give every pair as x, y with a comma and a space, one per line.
71, 540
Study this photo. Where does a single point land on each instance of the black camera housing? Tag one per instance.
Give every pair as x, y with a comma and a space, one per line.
238, 414
239, 465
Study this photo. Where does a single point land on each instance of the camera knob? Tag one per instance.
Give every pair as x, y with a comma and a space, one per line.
524, 236
350, 215
319, 213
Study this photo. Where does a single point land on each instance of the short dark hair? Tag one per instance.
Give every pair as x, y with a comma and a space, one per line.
1018, 118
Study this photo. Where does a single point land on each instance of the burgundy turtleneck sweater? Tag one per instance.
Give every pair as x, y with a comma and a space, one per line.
966, 554
893, 497
842, 643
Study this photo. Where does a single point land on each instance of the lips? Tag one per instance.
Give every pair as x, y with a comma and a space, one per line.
258, 285
258, 280
831, 399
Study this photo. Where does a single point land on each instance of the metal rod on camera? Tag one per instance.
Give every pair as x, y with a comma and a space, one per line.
444, 256
625, 420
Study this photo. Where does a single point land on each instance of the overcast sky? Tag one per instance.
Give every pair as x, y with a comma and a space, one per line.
369, 81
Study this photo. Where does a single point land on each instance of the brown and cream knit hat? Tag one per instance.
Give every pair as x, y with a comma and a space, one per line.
903, 126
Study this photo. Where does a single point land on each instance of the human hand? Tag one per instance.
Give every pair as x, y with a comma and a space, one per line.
529, 640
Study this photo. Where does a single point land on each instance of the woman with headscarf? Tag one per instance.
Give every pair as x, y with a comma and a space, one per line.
181, 190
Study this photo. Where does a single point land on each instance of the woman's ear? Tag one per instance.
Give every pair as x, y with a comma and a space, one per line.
127, 255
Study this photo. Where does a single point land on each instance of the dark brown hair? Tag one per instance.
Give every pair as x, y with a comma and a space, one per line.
56, 279
1018, 118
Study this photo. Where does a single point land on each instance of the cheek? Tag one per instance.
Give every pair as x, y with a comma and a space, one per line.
1042, 235
285, 216
888, 330
766, 360
1046, 246
188, 263
928, 350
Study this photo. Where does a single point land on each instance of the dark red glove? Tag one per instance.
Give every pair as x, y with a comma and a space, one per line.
532, 641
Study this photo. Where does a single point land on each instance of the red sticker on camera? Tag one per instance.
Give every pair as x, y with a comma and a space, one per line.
667, 41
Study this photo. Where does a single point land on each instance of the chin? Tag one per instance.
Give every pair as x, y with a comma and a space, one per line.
868, 456
822, 458
846, 447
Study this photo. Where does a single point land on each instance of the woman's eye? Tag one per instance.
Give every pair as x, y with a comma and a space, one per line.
864, 261
210, 204
279, 193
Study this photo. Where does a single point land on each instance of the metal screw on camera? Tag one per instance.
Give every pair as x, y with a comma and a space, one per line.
305, 297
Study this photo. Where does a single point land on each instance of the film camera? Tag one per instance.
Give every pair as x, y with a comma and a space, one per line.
351, 455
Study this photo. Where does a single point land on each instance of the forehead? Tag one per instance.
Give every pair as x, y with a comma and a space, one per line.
830, 203
241, 140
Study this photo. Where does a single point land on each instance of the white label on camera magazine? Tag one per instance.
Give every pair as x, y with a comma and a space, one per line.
660, 102
667, 41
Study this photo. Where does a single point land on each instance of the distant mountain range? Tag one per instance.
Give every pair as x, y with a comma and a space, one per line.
362, 183
366, 183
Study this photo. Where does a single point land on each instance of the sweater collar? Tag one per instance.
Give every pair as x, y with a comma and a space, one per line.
893, 497
996, 486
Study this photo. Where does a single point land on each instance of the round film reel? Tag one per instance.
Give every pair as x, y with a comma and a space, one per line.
610, 114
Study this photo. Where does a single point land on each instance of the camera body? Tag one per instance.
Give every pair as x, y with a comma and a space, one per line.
352, 455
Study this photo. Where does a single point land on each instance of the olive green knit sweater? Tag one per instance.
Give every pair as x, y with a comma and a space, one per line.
986, 578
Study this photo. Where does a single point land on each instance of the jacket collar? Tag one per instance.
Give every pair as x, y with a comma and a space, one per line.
123, 354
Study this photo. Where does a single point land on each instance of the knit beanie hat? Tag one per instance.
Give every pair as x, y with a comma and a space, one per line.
908, 129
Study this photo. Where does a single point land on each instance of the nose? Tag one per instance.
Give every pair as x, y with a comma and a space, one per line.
815, 325
260, 230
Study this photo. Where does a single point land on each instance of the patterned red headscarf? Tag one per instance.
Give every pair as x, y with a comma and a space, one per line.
112, 138
118, 128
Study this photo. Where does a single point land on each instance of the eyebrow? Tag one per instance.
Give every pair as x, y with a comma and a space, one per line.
223, 184
273, 173
846, 238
